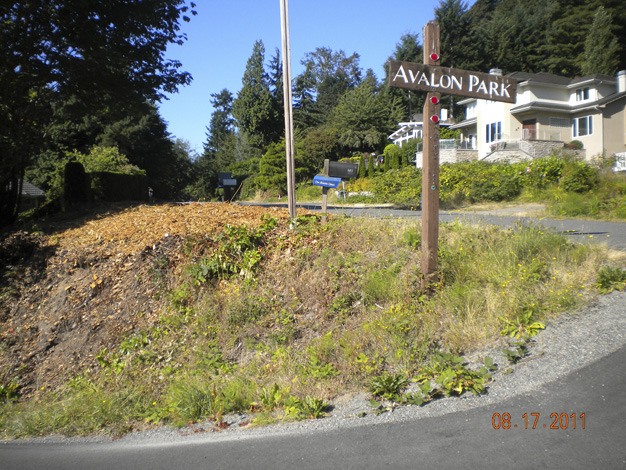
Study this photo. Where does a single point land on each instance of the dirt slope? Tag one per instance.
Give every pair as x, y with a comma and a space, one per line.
79, 286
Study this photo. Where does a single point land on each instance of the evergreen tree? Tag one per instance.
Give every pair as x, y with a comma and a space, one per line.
320, 143
456, 40
144, 139
601, 46
515, 31
364, 117
277, 90
218, 152
254, 108
618, 12
272, 175
305, 114
563, 50
362, 168
408, 49
479, 17
222, 121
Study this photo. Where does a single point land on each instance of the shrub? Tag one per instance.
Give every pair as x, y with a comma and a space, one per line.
478, 181
610, 279
574, 145
402, 187
76, 183
543, 172
578, 177
393, 155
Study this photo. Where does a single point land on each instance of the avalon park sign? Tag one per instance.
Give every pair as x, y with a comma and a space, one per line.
437, 80
451, 81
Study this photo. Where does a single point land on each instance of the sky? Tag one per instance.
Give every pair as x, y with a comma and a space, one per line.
220, 40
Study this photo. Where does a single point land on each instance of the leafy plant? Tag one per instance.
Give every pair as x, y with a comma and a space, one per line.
388, 386
237, 254
522, 327
489, 365
110, 361
610, 279
314, 408
453, 377
458, 379
307, 408
271, 397
518, 351
318, 369
9, 391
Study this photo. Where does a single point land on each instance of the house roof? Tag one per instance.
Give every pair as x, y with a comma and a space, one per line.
541, 77
596, 77
29, 189
466, 123
564, 107
612, 98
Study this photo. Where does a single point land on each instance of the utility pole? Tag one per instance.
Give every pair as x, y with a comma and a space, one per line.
288, 100
430, 162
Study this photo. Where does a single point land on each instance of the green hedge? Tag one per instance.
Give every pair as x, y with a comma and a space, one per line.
472, 182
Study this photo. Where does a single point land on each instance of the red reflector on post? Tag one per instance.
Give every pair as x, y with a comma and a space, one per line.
434, 118
434, 100
434, 56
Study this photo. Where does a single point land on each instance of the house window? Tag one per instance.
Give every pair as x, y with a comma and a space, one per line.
582, 94
559, 122
582, 126
493, 132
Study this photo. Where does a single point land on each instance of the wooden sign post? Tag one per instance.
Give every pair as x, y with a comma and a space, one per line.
430, 162
435, 80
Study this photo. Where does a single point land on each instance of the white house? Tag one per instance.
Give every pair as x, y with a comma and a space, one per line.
549, 112
413, 129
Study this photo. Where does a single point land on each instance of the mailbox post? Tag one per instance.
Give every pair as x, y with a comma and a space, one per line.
325, 182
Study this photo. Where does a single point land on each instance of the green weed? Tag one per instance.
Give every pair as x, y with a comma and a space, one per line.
388, 386
610, 279
9, 391
516, 352
523, 327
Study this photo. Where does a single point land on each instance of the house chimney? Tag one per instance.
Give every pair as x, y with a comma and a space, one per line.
495, 72
621, 81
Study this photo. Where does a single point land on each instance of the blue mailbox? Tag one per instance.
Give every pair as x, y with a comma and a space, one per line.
326, 181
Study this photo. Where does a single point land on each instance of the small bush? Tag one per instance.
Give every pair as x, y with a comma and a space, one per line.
388, 386
402, 187
578, 177
610, 279
574, 145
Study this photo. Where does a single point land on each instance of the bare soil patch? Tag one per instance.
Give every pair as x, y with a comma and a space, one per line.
82, 284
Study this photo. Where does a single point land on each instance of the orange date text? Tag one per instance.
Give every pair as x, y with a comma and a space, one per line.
536, 420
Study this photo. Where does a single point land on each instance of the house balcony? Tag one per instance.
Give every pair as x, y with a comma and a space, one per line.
451, 151
532, 145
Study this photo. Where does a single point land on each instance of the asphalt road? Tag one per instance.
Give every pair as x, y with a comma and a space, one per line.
458, 440
613, 233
